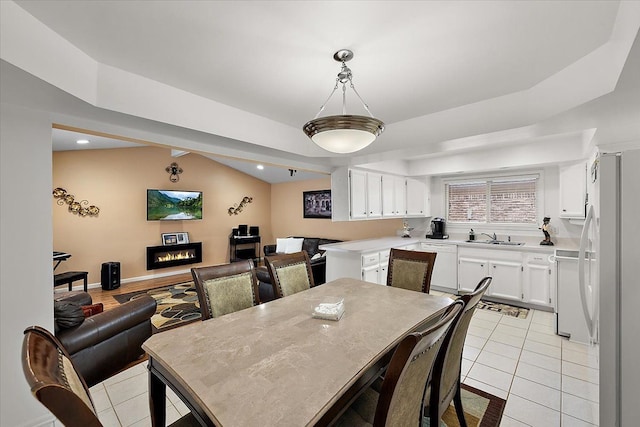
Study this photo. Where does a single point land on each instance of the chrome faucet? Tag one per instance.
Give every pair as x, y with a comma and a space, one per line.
494, 237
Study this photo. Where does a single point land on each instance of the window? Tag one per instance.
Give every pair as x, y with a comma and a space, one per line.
502, 200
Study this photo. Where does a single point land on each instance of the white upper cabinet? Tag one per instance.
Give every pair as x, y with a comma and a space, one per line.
358, 195
417, 197
573, 190
393, 196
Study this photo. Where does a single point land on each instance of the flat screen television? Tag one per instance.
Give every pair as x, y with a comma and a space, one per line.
172, 205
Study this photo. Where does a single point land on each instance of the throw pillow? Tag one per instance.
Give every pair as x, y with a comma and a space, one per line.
294, 245
281, 246
67, 314
90, 310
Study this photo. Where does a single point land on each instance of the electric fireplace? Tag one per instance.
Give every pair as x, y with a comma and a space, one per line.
173, 255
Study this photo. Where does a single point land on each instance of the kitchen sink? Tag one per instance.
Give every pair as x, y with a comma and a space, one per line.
496, 242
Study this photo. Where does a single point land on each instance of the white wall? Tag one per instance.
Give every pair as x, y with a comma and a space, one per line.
26, 290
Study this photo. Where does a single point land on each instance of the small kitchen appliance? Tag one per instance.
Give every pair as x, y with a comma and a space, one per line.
437, 229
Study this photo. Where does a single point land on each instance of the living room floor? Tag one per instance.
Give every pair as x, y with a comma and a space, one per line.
546, 380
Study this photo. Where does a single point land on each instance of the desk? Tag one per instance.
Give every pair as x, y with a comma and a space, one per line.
244, 247
273, 364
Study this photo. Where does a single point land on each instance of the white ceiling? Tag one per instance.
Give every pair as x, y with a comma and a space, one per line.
247, 75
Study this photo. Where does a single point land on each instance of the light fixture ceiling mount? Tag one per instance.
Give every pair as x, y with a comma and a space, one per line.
343, 133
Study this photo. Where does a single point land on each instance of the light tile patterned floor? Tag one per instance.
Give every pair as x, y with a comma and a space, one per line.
546, 380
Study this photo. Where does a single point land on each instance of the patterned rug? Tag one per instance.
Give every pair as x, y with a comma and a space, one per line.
177, 305
509, 310
481, 409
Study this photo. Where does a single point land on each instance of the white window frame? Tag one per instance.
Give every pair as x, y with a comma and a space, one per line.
504, 226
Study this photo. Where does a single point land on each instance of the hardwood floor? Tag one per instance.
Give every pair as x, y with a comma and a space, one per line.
106, 297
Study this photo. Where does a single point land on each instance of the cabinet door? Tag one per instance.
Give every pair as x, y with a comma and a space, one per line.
416, 197
358, 194
374, 195
388, 196
470, 272
371, 274
573, 190
537, 284
507, 280
400, 195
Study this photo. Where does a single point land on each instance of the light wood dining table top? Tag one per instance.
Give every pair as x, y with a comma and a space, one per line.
275, 365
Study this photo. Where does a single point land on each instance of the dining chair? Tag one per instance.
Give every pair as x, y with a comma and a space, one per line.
445, 379
223, 289
398, 401
290, 273
410, 269
56, 383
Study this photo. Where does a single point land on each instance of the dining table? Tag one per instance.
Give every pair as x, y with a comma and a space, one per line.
274, 364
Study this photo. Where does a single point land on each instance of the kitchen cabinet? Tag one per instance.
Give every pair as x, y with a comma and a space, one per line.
374, 267
505, 267
393, 196
374, 195
573, 190
538, 279
445, 270
418, 198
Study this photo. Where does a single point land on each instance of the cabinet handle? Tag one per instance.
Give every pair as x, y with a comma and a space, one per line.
494, 266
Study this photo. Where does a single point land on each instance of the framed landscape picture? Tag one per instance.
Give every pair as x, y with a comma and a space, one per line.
316, 204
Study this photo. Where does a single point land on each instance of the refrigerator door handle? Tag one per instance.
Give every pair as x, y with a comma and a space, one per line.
582, 285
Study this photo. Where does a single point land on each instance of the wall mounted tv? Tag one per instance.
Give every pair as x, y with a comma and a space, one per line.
167, 205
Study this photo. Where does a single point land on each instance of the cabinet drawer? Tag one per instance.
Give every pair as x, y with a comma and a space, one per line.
370, 259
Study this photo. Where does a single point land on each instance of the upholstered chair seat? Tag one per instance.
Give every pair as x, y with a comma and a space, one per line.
224, 289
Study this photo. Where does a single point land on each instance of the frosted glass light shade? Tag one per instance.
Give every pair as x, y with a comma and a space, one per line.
343, 134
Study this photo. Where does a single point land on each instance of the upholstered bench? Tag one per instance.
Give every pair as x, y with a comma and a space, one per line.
68, 277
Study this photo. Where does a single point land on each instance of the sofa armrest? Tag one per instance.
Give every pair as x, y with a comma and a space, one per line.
102, 326
78, 297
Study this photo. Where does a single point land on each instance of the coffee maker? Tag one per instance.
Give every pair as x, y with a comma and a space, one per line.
437, 229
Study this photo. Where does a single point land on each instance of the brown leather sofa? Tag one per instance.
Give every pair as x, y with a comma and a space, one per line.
107, 342
318, 265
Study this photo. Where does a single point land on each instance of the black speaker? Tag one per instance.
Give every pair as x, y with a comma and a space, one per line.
110, 275
243, 230
254, 231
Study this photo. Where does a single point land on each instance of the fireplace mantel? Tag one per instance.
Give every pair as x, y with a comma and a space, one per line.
173, 255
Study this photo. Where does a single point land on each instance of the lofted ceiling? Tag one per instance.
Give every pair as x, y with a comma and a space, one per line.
444, 76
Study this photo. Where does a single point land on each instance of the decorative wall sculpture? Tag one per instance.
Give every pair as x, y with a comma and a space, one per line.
237, 208
174, 170
75, 207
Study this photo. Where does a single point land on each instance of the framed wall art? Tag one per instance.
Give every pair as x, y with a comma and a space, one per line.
316, 204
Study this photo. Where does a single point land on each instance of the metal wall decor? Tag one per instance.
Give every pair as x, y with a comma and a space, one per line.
237, 207
174, 170
75, 207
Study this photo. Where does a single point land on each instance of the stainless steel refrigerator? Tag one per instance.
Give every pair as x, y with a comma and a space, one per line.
612, 277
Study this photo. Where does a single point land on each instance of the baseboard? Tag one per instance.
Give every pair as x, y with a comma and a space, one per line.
133, 279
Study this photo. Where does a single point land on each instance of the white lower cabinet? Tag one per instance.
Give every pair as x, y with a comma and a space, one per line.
470, 272
374, 267
538, 279
507, 280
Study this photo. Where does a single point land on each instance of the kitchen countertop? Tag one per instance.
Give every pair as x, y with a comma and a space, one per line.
382, 243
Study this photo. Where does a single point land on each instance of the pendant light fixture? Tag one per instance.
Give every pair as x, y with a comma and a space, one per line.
343, 133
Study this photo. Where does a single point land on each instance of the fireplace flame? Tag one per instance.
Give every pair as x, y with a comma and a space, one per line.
175, 256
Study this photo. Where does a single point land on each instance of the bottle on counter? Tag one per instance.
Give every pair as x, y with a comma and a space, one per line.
472, 235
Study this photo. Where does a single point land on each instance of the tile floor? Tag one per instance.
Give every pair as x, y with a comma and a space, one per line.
546, 380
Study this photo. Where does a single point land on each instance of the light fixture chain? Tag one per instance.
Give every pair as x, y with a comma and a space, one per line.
325, 102
366, 107
344, 99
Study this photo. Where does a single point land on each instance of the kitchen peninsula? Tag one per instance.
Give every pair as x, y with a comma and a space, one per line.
522, 274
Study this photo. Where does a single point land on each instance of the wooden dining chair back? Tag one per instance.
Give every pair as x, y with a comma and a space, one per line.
57, 384
54, 381
290, 273
399, 402
226, 288
445, 380
410, 269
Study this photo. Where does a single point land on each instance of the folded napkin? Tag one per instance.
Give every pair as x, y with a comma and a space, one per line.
329, 310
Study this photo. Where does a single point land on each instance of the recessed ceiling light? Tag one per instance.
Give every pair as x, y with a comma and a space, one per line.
82, 141
260, 167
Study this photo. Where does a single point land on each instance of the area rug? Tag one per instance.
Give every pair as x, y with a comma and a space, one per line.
481, 409
509, 310
177, 305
